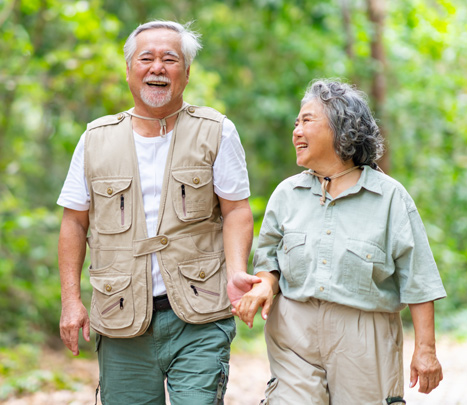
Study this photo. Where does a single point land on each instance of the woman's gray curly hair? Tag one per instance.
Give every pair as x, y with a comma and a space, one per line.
356, 134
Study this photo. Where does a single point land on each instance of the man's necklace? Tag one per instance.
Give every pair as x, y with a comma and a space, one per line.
162, 121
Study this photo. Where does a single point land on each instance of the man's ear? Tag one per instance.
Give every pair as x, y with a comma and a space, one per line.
188, 74
127, 72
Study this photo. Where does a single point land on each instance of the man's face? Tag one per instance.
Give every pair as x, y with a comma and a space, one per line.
157, 76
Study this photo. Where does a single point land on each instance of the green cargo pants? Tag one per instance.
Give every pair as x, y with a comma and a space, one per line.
193, 358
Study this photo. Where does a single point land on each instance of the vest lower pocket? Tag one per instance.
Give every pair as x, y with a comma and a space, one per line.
204, 284
112, 300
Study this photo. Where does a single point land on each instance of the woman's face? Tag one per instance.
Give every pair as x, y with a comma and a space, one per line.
313, 138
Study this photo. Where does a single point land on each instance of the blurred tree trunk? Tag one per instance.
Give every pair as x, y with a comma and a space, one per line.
376, 13
346, 18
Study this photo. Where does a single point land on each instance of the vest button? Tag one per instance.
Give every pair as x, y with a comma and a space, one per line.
164, 241
120, 116
191, 109
110, 191
202, 274
196, 180
108, 287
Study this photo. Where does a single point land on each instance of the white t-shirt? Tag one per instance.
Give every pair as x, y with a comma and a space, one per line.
230, 178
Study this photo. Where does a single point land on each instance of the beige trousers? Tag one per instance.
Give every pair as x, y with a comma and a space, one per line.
325, 353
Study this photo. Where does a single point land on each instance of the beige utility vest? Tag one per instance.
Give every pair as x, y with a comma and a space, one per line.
188, 245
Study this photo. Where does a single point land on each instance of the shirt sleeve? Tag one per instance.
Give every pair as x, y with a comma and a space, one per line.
416, 268
75, 193
270, 237
230, 175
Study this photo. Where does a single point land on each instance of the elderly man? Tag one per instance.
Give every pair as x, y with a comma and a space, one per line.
163, 191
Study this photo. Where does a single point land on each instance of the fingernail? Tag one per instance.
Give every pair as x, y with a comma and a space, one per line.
411, 384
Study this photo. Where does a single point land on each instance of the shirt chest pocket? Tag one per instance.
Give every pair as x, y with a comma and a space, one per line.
291, 257
192, 193
112, 204
364, 266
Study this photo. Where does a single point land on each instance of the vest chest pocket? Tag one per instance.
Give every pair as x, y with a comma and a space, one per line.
112, 301
113, 204
204, 285
192, 193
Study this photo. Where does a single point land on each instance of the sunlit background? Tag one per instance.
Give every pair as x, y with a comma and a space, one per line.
62, 65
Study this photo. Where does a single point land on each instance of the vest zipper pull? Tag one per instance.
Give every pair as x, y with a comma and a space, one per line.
194, 289
183, 200
121, 303
122, 208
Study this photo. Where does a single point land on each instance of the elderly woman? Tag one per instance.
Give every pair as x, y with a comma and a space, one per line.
344, 245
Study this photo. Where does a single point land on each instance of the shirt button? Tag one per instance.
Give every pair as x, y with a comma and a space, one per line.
191, 109
332, 203
321, 289
120, 116
202, 274
325, 261
110, 191
108, 288
328, 232
164, 241
368, 256
196, 180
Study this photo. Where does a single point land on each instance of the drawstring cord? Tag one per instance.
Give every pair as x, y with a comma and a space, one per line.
327, 180
162, 121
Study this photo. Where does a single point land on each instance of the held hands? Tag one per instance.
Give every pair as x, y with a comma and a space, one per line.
425, 369
260, 295
239, 284
74, 317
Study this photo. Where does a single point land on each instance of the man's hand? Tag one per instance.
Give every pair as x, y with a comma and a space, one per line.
74, 317
425, 369
71, 253
238, 285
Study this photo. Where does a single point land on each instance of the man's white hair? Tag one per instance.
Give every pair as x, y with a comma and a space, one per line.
190, 40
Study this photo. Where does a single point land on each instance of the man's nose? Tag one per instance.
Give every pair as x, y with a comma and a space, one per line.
157, 67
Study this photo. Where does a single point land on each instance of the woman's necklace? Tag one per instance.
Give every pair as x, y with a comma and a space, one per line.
327, 180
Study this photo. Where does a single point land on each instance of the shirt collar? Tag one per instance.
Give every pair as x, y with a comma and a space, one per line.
367, 181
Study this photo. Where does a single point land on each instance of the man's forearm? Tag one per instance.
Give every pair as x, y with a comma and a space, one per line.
238, 238
72, 252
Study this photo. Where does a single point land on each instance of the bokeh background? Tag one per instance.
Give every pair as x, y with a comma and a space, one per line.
62, 65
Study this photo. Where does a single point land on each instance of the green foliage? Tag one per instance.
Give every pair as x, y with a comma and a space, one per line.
62, 66
21, 372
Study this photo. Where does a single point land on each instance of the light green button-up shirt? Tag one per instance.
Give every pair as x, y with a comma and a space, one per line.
366, 248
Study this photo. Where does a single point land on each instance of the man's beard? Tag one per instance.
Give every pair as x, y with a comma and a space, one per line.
155, 99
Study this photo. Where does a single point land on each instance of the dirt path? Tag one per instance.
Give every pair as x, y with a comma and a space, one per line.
249, 374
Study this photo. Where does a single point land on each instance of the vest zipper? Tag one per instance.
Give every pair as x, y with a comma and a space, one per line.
196, 289
120, 301
122, 208
183, 200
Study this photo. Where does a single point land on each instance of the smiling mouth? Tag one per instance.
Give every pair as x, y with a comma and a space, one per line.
301, 146
157, 84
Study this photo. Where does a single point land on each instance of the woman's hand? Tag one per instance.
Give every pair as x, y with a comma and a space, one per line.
425, 367
261, 295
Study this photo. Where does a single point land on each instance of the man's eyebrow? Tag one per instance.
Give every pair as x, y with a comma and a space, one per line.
145, 53
172, 53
